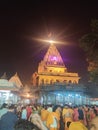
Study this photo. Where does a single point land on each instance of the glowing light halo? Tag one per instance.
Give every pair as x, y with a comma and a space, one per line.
49, 41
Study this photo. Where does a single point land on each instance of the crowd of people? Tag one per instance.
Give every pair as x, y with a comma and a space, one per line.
48, 117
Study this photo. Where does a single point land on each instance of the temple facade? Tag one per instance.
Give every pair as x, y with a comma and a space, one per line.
52, 70
58, 85
51, 84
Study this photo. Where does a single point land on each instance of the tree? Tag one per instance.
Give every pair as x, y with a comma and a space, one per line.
89, 43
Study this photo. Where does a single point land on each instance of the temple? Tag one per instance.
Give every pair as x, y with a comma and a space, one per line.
52, 70
51, 84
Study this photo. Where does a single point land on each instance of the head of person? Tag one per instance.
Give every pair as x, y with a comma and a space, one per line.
68, 123
56, 107
11, 108
4, 105
94, 124
25, 125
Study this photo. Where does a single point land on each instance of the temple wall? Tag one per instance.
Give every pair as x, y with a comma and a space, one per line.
44, 79
62, 98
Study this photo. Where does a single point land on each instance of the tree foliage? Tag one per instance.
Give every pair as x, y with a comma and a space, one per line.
89, 43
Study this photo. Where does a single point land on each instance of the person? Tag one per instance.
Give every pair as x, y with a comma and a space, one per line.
24, 113
29, 110
77, 126
76, 113
67, 115
4, 109
35, 118
81, 114
53, 119
94, 123
23, 124
44, 114
8, 120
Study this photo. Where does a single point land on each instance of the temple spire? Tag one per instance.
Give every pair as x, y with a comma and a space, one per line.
53, 57
52, 69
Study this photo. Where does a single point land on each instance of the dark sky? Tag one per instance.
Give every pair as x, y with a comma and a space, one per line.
20, 22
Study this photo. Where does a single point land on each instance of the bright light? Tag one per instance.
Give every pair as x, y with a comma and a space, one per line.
77, 95
69, 95
70, 103
11, 95
4, 90
54, 58
49, 41
58, 94
28, 95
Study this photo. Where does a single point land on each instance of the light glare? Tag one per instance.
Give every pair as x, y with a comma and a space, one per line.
51, 41
48, 41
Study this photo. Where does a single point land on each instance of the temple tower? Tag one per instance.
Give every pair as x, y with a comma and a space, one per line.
52, 70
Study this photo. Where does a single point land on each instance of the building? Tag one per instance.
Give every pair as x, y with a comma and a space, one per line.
57, 85
12, 91
9, 89
52, 70
52, 84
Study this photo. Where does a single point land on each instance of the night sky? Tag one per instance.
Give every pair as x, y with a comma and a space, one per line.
21, 22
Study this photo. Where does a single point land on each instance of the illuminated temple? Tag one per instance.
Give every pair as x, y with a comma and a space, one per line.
52, 70
51, 84
57, 85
